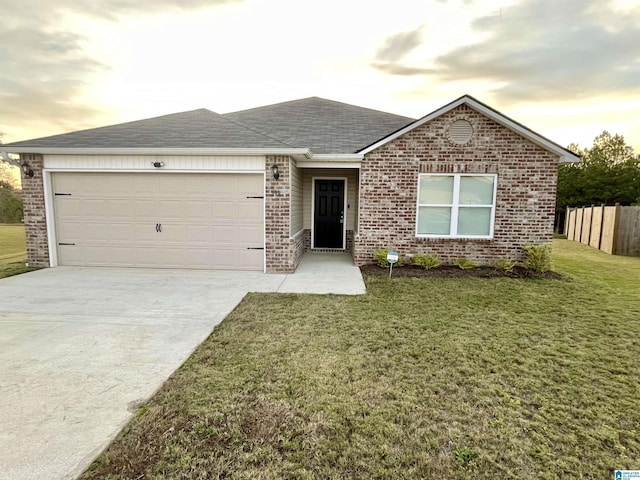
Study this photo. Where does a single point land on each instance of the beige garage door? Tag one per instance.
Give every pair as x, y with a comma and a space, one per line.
166, 220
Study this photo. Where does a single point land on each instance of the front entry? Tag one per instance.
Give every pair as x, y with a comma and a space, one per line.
328, 215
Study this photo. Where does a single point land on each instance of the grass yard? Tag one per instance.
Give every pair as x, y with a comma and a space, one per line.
13, 250
420, 378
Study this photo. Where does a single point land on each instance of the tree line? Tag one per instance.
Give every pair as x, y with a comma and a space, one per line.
10, 195
608, 173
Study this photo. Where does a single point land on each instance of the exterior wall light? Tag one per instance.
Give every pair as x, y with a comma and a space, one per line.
275, 171
26, 169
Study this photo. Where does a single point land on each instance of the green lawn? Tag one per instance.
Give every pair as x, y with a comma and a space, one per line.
13, 250
429, 378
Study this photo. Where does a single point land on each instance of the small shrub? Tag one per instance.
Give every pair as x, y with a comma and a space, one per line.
505, 264
465, 263
381, 258
464, 455
426, 261
538, 257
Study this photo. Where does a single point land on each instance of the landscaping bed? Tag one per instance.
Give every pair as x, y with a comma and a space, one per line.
453, 271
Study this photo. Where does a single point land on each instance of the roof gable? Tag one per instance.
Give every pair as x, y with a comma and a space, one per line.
324, 126
564, 154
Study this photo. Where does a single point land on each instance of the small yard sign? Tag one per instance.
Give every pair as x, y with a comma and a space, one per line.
627, 475
392, 257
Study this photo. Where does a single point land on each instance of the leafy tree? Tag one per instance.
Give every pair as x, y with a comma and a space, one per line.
608, 173
10, 204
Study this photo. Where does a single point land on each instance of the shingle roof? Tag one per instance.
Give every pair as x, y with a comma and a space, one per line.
194, 129
324, 126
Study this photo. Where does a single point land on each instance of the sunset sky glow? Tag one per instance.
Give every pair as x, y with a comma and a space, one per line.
567, 69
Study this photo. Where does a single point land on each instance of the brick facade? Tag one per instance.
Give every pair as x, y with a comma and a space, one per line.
283, 253
388, 185
35, 220
525, 200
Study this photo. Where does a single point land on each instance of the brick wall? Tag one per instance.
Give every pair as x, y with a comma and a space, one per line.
35, 220
282, 252
525, 200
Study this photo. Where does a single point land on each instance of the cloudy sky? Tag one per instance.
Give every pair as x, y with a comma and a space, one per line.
569, 69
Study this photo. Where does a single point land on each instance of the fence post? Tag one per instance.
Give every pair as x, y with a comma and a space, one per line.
566, 223
616, 226
590, 225
601, 227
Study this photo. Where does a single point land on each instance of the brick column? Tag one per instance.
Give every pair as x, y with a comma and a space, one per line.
277, 207
35, 220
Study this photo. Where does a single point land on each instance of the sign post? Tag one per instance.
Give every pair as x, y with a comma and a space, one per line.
392, 257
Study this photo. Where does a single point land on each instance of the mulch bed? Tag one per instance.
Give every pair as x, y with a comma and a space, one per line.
452, 271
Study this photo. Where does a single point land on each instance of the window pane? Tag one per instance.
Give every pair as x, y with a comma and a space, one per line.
476, 190
436, 189
434, 220
474, 221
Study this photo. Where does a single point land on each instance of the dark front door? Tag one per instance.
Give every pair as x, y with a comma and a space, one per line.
329, 214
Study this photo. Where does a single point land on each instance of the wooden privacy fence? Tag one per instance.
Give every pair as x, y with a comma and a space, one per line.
615, 230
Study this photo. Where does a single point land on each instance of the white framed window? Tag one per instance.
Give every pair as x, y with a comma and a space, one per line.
456, 205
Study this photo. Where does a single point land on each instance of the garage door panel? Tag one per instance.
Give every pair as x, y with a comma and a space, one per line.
248, 258
197, 210
207, 221
119, 186
139, 209
174, 185
172, 210
122, 233
250, 235
249, 210
144, 233
199, 235
224, 211
250, 185
145, 185
75, 232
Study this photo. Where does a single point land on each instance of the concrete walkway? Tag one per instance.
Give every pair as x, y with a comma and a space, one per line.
80, 346
325, 273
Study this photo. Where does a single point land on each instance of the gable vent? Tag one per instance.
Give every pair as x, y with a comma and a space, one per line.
460, 132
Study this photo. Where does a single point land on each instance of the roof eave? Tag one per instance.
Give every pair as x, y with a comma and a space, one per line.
565, 155
294, 152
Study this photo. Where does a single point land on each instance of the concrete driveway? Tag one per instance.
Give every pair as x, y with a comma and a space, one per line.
79, 347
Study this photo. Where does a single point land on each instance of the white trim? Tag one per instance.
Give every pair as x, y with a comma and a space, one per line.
325, 164
50, 219
455, 206
305, 152
565, 156
264, 220
338, 157
356, 225
145, 162
292, 237
344, 209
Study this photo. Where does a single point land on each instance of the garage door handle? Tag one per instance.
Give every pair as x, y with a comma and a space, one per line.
159, 227
255, 248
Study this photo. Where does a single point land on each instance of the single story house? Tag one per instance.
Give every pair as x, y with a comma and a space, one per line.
256, 189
